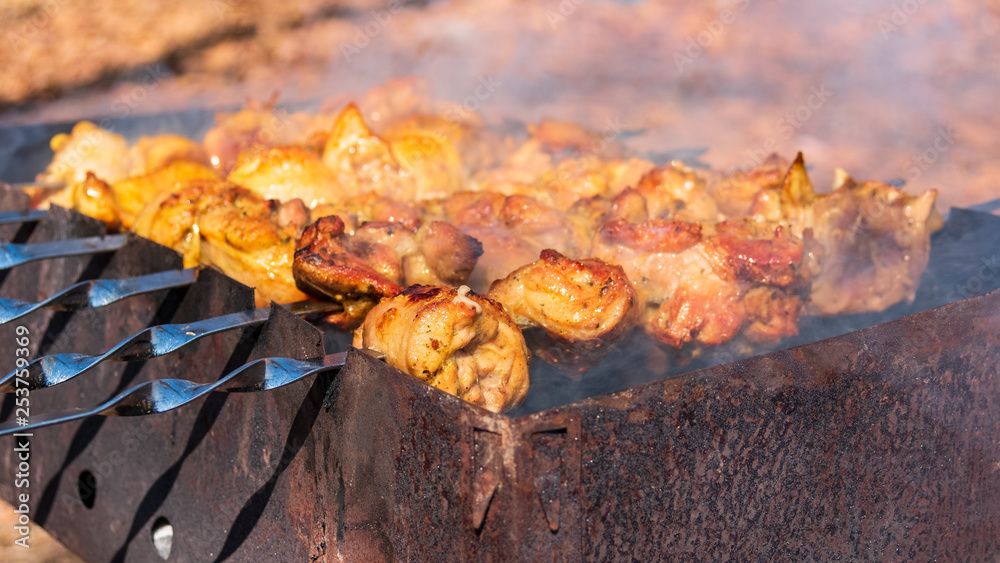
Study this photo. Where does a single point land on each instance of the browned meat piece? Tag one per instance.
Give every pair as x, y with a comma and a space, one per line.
694, 283
676, 192
453, 339
229, 227
582, 307
87, 148
872, 239
259, 126
92, 197
377, 261
735, 193
628, 205
772, 313
149, 154
477, 147
513, 230
135, 174
363, 208
409, 168
625, 173
573, 179
286, 173
133, 193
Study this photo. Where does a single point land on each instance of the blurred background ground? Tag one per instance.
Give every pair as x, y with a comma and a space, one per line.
735, 76
887, 89
42, 547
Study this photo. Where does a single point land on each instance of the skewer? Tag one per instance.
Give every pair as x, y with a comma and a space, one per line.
10, 217
42, 185
98, 293
151, 342
12, 254
162, 395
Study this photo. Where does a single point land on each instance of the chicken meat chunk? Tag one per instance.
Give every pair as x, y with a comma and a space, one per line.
453, 339
872, 240
230, 227
286, 173
576, 309
378, 260
694, 280
456, 340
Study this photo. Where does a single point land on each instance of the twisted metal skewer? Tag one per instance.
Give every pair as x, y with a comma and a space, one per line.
9, 217
13, 254
162, 395
151, 342
98, 293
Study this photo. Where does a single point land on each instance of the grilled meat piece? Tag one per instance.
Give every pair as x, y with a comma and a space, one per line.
118, 204
377, 261
153, 153
260, 126
872, 239
694, 280
92, 197
582, 307
230, 227
735, 193
453, 339
285, 173
513, 230
133, 193
678, 193
462, 129
411, 167
87, 148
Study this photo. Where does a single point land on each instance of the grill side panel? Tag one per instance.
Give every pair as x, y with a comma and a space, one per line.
881, 443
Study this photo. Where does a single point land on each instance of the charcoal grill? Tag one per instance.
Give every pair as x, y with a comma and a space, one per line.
877, 443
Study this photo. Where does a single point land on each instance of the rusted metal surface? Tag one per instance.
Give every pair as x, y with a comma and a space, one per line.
876, 444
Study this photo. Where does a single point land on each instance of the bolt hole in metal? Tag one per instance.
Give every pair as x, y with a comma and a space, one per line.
86, 488
163, 537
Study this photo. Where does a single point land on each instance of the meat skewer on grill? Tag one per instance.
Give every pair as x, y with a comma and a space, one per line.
453, 339
573, 311
148, 343
163, 395
361, 212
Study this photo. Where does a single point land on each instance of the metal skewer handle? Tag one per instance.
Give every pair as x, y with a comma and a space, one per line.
163, 395
13, 217
12, 254
151, 342
98, 293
